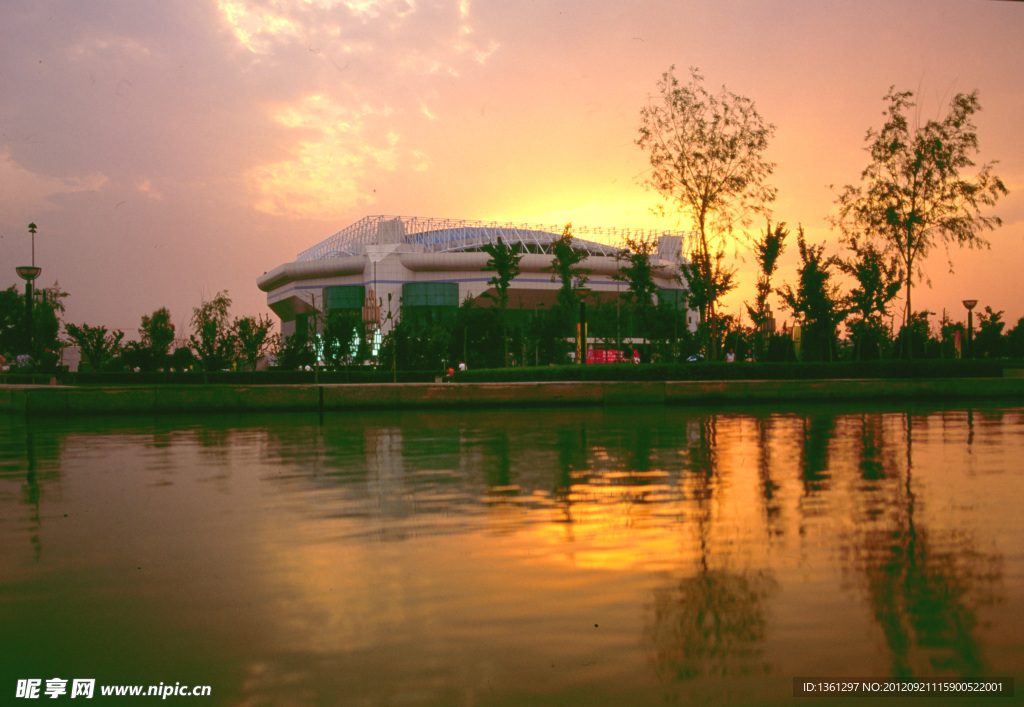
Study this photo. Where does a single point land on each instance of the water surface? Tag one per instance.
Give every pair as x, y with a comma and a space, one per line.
548, 556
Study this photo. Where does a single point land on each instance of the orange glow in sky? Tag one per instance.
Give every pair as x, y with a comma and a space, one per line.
171, 151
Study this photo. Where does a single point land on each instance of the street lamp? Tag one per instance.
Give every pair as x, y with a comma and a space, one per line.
28, 273
581, 332
970, 304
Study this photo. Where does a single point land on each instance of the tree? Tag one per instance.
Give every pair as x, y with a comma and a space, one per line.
815, 302
12, 309
504, 262
708, 279
155, 338
211, 339
295, 351
1015, 340
707, 158
917, 336
47, 308
878, 277
989, 342
949, 332
638, 274
913, 195
767, 250
252, 337
565, 267
98, 346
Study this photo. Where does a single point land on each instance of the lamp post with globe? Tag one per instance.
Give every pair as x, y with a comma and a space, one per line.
28, 273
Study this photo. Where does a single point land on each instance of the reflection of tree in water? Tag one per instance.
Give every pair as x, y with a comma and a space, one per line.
713, 622
638, 453
32, 493
925, 587
572, 468
28, 460
768, 487
818, 432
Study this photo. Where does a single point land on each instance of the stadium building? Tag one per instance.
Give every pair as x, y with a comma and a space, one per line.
426, 267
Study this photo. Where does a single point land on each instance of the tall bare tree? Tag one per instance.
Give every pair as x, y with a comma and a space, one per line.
707, 160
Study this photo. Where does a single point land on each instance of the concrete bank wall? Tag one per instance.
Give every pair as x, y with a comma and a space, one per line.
69, 400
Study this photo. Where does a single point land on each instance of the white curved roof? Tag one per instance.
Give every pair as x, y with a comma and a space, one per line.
454, 235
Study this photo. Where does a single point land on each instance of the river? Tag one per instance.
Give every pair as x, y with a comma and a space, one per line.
562, 556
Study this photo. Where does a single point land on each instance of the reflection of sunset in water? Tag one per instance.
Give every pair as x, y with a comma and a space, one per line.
567, 555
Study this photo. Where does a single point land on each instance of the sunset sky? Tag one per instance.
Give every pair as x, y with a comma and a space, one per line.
169, 150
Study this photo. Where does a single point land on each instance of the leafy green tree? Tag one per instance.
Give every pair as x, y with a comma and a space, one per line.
707, 159
47, 308
738, 339
1015, 340
341, 331
295, 351
669, 333
878, 279
156, 334
948, 332
98, 346
12, 311
421, 345
767, 250
212, 340
565, 266
504, 262
253, 338
637, 271
548, 339
183, 359
989, 342
913, 195
472, 338
708, 279
917, 336
816, 302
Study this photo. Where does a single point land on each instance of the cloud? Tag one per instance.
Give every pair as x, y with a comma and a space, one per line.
325, 173
28, 192
375, 65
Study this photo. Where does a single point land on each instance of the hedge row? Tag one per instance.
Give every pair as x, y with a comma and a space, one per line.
703, 371
352, 375
745, 371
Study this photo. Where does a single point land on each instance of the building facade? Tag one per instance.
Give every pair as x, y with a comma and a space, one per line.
424, 267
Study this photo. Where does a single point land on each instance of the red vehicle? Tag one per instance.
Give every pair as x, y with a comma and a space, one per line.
611, 356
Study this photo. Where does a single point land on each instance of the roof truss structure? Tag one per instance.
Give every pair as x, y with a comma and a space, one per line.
438, 235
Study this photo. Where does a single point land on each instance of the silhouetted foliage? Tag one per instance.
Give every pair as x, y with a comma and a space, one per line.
913, 196
1015, 340
637, 272
917, 336
878, 277
707, 160
504, 262
565, 266
212, 340
815, 302
767, 250
989, 341
253, 338
98, 346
